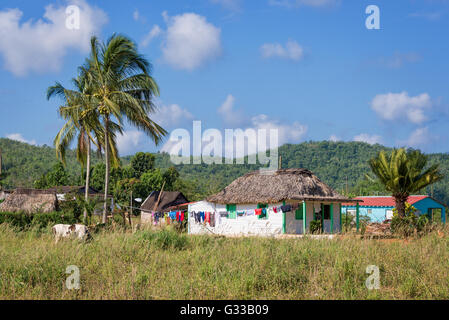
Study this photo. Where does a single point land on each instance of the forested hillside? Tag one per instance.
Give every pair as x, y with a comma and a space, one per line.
342, 165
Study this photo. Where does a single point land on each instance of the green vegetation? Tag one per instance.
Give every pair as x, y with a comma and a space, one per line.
404, 173
342, 165
168, 265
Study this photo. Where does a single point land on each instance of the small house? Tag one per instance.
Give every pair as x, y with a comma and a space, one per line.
168, 200
268, 204
30, 201
380, 209
62, 191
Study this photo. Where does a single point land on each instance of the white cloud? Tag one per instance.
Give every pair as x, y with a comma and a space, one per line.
303, 3
419, 137
20, 138
40, 46
288, 133
190, 41
334, 138
154, 32
395, 106
171, 115
230, 115
371, 139
292, 51
129, 142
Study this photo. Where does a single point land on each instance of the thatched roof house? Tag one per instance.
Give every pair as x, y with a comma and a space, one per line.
167, 201
270, 203
277, 186
30, 201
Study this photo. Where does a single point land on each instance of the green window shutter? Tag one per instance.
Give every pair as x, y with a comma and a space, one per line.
232, 210
299, 213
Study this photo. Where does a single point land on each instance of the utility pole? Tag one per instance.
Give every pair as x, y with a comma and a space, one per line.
130, 209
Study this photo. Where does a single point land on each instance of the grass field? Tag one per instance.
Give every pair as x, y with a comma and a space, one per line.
166, 265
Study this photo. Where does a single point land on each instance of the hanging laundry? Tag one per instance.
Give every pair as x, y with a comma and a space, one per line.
241, 213
202, 216
182, 216
250, 212
275, 210
207, 217
258, 212
286, 208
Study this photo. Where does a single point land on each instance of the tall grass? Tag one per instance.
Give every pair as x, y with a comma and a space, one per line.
166, 265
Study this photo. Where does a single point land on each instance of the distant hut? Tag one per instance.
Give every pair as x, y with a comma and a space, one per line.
62, 191
30, 201
168, 201
290, 200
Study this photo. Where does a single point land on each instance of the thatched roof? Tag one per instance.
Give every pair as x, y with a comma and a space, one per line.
275, 187
30, 201
71, 189
168, 200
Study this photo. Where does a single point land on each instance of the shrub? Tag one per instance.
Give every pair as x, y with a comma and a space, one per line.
23, 220
410, 224
164, 239
315, 226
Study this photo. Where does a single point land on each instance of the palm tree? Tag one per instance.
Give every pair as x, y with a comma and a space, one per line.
81, 122
122, 87
403, 173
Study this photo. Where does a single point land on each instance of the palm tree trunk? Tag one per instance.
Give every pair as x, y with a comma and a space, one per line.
106, 179
86, 193
400, 204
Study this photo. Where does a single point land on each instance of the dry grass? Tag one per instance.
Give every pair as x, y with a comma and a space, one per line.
165, 265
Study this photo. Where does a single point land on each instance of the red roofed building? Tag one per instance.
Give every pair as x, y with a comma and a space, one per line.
379, 209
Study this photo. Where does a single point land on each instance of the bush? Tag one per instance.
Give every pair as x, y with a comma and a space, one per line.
23, 220
315, 226
164, 239
410, 224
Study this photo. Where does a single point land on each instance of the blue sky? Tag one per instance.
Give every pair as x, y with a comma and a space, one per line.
310, 68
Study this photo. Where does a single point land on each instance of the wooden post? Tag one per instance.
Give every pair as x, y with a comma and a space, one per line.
159, 198
322, 218
341, 226
332, 218
284, 221
357, 221
304, 217
131, 210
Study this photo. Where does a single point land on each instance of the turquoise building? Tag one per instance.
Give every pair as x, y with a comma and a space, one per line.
379, 209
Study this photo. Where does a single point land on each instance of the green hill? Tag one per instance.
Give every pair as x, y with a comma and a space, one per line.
342, 165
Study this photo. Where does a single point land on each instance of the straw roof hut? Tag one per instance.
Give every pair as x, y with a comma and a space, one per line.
30, 201
167, 201
275, 187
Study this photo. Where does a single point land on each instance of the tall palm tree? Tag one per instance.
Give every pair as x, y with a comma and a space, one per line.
123, 89
81, 122
403, 173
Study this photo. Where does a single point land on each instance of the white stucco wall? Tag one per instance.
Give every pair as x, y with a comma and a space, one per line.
252, 225
245, 226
